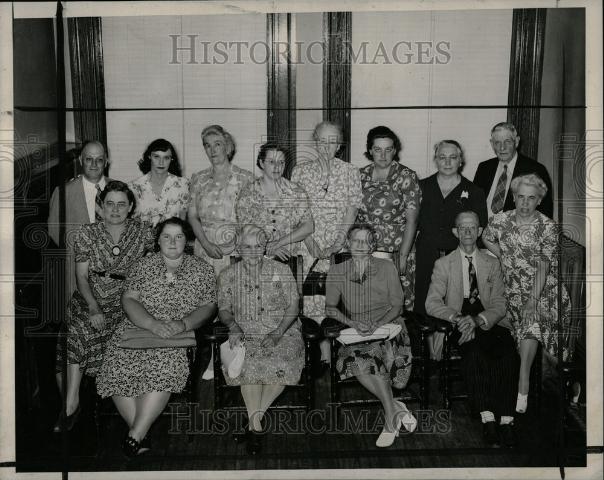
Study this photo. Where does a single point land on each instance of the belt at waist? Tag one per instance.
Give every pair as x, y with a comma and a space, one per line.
115, 276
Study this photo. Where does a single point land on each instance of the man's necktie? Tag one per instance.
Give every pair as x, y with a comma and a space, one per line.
98, 205
499, 195
473, 281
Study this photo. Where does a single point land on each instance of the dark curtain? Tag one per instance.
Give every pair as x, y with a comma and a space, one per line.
281, 97
337, 36
526, 68
87, 78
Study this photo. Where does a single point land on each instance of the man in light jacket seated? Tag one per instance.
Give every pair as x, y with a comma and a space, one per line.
467, 289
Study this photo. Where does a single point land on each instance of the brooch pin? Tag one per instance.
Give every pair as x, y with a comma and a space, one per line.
115, 250
464, 194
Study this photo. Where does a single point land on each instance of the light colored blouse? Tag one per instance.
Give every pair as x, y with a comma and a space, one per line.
172, 202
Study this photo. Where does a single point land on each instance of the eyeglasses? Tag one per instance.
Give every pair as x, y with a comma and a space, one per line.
444, 158
120, 205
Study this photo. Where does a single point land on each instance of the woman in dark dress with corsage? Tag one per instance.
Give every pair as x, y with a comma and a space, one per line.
444, 195
104, 253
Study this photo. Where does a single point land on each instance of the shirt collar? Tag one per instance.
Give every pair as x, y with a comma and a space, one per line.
91, 185
511, 164
464, 254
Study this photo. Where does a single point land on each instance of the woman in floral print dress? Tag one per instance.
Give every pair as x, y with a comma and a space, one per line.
334, 189
104, 253
166, 293
277, 205
161, 192
258, 301
526, 241
391, 202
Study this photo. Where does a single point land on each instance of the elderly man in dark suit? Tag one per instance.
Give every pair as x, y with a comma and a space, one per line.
495, 175
82, 202
467, 289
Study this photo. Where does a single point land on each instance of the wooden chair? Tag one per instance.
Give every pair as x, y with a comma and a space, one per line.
418, 331
310, 334
572, 275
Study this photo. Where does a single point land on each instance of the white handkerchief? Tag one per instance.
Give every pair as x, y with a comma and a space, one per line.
232, 359
350, 336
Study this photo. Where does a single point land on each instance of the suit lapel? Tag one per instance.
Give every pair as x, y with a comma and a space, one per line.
482, 274
456, 285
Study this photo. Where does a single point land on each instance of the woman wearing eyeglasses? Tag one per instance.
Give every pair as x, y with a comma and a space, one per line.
277, 205
444, 195
391, 200
104, 253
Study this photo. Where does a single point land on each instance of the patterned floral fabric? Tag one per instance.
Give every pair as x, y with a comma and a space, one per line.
279, 217
521, 246
173, 200
366, 300
330, 193
384, 207
216, 209
258, 305
129, 372
93, 244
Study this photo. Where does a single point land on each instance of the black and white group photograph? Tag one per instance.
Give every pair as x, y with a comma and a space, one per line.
301, 239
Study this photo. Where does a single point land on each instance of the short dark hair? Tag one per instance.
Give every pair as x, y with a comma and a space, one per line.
117, 186
185, 227
382, 131
160, 145
267, 147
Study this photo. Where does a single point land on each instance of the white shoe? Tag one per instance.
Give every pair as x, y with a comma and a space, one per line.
408, 420
387, 438
521, 403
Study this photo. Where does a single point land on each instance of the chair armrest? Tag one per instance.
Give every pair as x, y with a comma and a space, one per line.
331, 327
310, 329
419, 322
442, 326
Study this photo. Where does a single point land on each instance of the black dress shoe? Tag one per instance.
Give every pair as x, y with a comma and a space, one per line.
68, 421
254, 442
489, 433
508, 435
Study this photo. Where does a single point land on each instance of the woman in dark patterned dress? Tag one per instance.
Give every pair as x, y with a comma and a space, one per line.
371, 293
104, 252
526, 242
391, 202
258, 301
166, 293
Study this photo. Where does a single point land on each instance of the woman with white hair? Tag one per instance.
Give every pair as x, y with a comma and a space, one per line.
526, 242
258, 302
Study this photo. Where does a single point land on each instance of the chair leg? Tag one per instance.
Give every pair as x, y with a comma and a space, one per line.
538, 377
446, 373
333, 373
424, 385
217, 376
97, 424
309, 379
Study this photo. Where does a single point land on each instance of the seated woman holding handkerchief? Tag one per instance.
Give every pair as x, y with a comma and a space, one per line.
371, 294
258, 302
167, 295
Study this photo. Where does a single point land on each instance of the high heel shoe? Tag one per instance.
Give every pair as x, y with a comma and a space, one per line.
132, 447
66, 421
387, 438
408, 420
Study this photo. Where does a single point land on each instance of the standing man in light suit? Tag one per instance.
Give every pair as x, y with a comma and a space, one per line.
82, 203
467, 289
495, 175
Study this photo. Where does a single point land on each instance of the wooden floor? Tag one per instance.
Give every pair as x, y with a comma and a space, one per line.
200, 438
